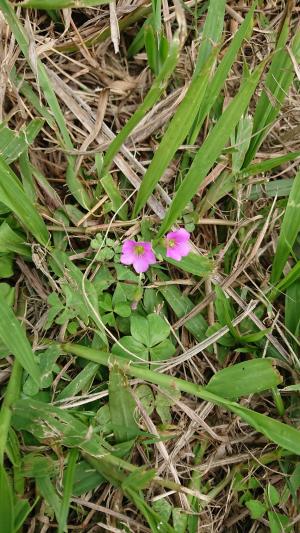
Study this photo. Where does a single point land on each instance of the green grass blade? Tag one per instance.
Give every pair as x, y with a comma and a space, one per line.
212, 31
11, 395
289, 230
49, 494
269, 164
278, 81
80, 382
181, 304
74, 183
175, 134
282, 434
13, 336
7, 514
287, 281
114, 195
13, 144
27, 177
152, 96
292, 301
13, 196
121, 406
211, 149
10, 241
221, 73
193, 263
68, 486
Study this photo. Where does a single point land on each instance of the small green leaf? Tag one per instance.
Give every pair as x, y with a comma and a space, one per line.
159, 330
279, 522
163, 350
257, 509
133, 346
139, 328
273, 495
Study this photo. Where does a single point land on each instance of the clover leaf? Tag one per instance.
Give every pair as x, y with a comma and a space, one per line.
148, 340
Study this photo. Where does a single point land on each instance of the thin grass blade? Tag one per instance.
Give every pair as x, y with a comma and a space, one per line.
74, 183
175, 134
13, 196
289, 230
68, 486
277, 83
211, 149
154, 93
13, 336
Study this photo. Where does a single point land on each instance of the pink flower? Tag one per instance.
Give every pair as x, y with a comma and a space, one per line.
138, 254
177, 243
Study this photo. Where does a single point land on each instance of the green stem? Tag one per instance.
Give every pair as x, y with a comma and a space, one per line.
11, 395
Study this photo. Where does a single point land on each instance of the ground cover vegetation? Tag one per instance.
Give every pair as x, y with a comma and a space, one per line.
149, 266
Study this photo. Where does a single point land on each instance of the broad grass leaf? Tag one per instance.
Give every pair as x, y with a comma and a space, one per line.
269, 164
13, 336
49, 494
13, 144
14, 197
290, 228
211, 149
212, 31
80, 382
243, 379
195, 264
122, 406
284, 435
10, 241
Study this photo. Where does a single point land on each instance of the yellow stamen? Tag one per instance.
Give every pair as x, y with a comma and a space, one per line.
171, 243
139, 250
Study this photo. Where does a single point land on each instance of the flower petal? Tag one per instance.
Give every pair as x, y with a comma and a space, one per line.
141, 264
149, 256
127, 259
128, 246
183, 248
180, 235
174, 253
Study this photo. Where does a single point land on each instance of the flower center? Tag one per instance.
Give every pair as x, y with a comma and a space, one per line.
171, 243
139, 250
